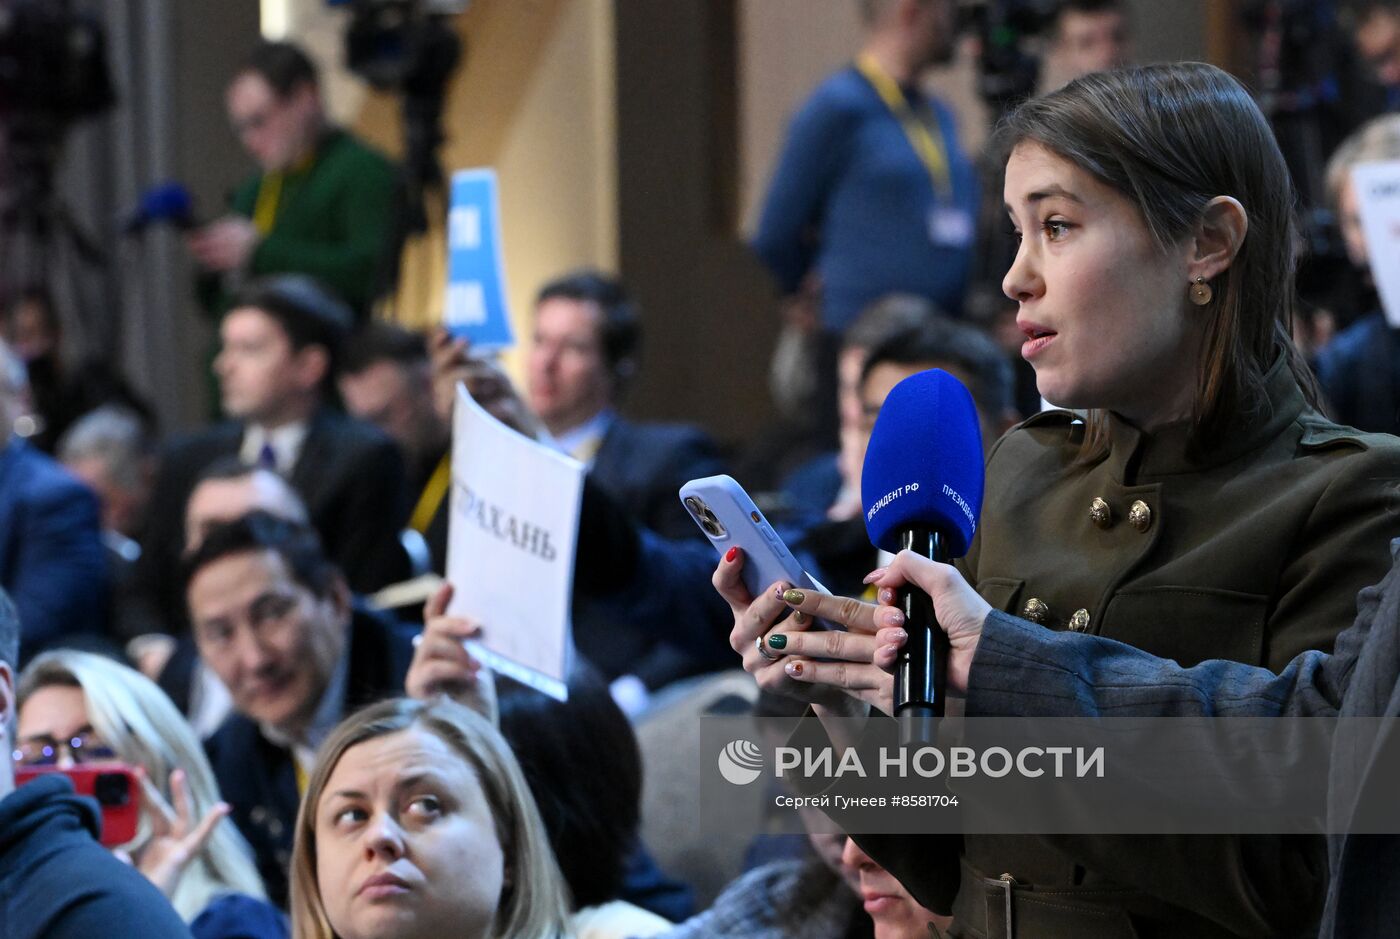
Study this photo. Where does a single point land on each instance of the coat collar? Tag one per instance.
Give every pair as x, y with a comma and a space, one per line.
1135, 455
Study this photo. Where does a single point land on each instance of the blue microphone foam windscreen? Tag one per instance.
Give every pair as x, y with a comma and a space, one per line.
168, 201
923, 468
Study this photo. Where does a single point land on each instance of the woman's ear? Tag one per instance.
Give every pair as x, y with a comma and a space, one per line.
1218, 237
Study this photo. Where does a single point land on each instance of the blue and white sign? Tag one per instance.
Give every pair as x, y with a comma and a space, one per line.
475, 303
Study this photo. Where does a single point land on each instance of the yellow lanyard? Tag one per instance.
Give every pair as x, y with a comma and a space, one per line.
586, 451
301, 775
265, 209
924, 134
432, 496
270, 194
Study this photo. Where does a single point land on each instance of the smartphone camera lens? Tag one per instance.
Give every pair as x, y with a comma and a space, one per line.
111, 789
705, 516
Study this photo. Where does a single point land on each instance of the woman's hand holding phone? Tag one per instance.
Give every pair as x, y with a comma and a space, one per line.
781, 659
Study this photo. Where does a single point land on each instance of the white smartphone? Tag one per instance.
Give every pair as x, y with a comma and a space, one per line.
728, 517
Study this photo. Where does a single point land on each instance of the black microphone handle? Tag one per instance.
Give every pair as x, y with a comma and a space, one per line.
921, 671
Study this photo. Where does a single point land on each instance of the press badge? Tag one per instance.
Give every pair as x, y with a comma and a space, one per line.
950, 227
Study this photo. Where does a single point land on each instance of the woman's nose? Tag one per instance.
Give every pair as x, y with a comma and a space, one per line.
385, 837
852, 856
1022, 281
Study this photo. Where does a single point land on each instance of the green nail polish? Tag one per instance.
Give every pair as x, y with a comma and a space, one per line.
793, 596
777, 641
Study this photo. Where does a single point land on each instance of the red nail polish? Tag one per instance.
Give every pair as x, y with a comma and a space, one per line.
796, 668
731, 554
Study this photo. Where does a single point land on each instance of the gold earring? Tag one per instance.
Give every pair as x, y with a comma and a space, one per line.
1201, 293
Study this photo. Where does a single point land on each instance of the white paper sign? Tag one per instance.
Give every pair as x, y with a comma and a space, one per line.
510, 546
1378, 196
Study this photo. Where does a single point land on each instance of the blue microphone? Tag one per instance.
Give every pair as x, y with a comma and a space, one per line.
167, 202
922, 491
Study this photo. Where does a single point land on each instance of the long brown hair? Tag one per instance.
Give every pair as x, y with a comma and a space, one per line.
1171, 138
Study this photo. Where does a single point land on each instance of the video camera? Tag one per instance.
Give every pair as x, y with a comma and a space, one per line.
53, 71
1009, 34
410, 47
402, 45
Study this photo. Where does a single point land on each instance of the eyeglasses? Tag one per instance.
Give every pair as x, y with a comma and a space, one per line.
43, 751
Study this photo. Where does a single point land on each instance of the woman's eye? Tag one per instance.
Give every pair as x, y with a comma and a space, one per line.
1016, 234
1056, 228
426, 805
348, 816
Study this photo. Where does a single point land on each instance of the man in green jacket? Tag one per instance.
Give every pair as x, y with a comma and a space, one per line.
322, 202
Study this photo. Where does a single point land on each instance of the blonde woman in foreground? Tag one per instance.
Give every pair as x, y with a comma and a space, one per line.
417, 824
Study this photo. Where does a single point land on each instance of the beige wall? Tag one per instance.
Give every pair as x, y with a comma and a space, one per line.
558, 164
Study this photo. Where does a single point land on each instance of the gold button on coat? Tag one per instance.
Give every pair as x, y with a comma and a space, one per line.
1035, 610
1079, 621
1100, 513
1140, 515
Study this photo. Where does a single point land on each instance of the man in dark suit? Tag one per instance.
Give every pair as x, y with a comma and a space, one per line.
51, 555
275, 620
586, 340
280, 345
628, 578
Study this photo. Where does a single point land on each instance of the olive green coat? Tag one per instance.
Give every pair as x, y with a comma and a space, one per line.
1254, 553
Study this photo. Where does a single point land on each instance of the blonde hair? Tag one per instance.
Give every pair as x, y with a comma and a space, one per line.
141, 724
1376, 141
535, 904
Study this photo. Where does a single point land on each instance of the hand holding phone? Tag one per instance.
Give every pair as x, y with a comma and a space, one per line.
729, 518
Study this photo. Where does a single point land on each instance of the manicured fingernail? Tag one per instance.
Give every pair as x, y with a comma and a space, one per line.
793, 596
777, 641
731, 554
893, 617
793, 668
799, 617
886, 595
899, 635
874, 575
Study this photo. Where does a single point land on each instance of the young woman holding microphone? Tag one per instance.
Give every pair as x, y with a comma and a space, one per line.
1202, 486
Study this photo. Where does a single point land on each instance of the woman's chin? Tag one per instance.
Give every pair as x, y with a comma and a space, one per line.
1055, 396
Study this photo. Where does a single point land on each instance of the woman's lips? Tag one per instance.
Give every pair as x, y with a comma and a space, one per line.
1037, 338
383, 885
877, 903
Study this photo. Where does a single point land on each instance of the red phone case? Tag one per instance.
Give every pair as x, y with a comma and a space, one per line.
113, 785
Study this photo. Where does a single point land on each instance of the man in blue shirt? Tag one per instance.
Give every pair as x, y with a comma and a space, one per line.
873, 192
